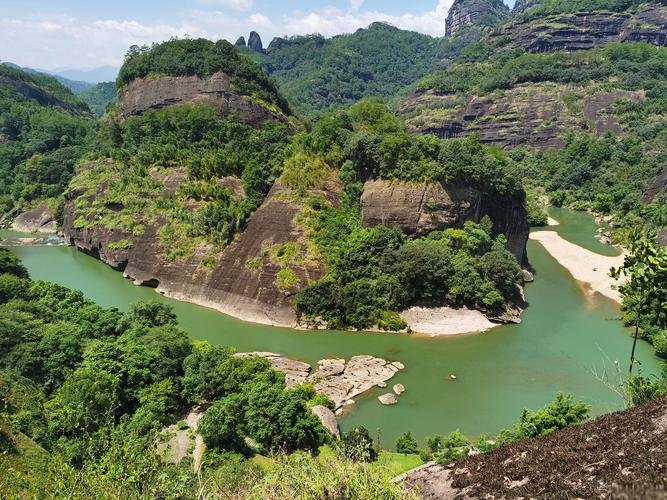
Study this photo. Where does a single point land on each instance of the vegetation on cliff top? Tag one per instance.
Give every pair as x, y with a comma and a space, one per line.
202, 58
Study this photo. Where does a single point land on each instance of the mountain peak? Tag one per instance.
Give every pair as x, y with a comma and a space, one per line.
475, 13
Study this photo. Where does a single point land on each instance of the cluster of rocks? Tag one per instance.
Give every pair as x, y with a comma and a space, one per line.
390, 398
339, 380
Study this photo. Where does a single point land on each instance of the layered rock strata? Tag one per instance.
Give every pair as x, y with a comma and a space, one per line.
419, 208
243, 281
478, 13
585, 30
216, 90
528, 114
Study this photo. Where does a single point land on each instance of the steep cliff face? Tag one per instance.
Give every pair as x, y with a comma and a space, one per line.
419, 208
254, 278
538, 115
216, 90
523, 5
475, 13
583, 31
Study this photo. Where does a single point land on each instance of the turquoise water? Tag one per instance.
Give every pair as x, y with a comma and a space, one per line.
566, 338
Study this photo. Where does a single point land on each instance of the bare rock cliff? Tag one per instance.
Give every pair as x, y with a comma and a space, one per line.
243, 281
477, 13
537, 115
419, 208
216, 90
583, 31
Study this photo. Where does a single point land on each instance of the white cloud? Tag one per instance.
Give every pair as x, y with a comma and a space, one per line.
240, 5
355, 5
50, 42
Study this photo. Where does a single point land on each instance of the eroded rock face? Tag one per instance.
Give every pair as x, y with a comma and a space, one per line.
255, 42
657, 187
480, 13
240, 42
157, 93
232, 285
419, 208
537, 115
37, 220
583, 31
523, 5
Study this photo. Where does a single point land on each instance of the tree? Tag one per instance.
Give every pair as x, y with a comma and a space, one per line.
645, 267
10, 264
407, 444
358, 445
222, 426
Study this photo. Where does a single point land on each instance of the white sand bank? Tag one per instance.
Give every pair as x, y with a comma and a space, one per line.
445, 320
584, 265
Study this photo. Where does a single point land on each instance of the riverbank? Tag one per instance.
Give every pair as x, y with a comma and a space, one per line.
585, 266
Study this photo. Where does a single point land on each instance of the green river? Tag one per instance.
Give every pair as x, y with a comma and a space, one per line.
565, 339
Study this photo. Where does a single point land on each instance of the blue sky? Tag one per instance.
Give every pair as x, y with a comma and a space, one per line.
88, 33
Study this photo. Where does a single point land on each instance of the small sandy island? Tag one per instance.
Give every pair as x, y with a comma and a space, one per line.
552, 222
445, 320
584, 265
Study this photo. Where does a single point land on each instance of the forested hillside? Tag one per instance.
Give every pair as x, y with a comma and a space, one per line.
44, 131
318, 74
586, 124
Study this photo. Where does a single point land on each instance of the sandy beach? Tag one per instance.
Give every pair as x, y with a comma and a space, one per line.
438, 321
584, 265
552, 222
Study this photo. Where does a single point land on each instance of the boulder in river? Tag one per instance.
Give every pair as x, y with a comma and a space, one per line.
399, 389
388, 399
37, 220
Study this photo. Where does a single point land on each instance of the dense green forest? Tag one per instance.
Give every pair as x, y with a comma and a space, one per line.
85, 393
44, 132
318, 74
99, 97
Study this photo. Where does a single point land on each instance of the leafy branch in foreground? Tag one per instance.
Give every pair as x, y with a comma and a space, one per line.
645, 290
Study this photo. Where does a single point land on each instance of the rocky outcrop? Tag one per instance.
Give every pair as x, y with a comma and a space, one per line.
388, 399
419, 208
37, 220
537, 115
255, 42
585, 30
523, 5
619, 455
657, 187
339, 381
215, 90
240, 42
243, 280
477, 13
328, 419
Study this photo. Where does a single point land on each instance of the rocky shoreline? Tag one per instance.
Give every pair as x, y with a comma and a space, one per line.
340, 380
